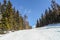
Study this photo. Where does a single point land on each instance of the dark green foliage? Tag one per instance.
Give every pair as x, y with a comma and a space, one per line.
37, 25
51, 16
11, 20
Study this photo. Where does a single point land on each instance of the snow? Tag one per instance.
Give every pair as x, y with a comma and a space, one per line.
43, 33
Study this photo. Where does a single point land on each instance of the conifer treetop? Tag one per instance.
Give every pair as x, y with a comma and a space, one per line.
4, 1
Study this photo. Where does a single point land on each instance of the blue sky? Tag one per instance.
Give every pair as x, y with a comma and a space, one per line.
32, 8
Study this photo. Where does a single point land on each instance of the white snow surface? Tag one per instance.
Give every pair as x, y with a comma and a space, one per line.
43, 33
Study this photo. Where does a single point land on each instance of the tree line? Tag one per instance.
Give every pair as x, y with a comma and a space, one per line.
51, 15
10, 18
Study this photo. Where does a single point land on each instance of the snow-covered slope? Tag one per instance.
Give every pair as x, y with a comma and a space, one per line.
43, 33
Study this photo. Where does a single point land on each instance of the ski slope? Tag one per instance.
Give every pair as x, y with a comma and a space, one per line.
43, 33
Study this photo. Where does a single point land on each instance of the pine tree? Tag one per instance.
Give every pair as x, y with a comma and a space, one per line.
37, 25
10, 15
0, 7
3, 9
46, 18
52, 15
14, 22
17, 19
21, 22
11, 19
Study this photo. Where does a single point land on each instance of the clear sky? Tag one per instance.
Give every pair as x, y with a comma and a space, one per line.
32, 8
